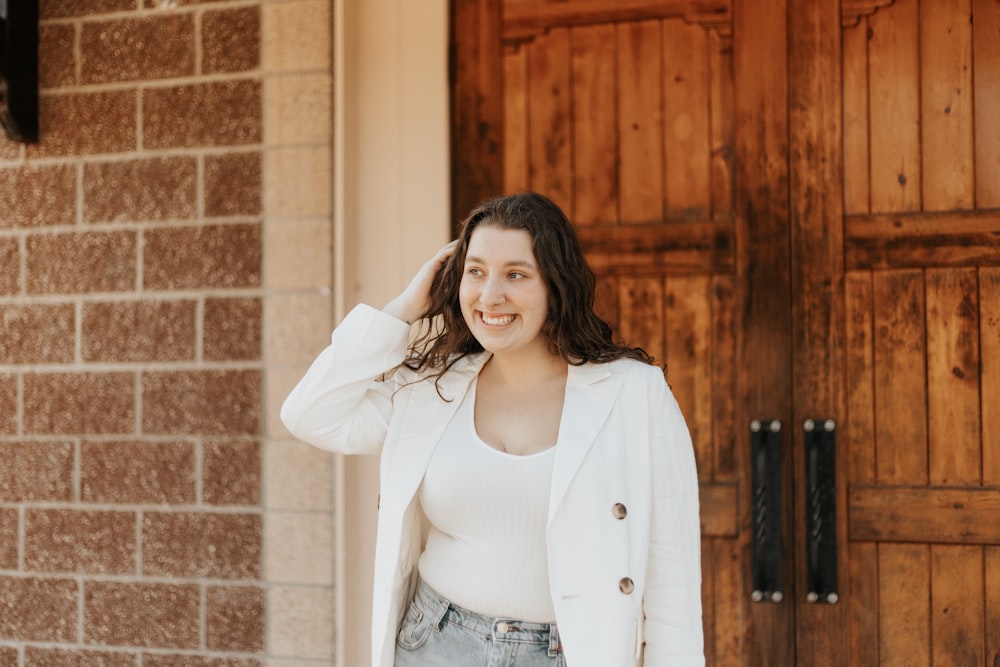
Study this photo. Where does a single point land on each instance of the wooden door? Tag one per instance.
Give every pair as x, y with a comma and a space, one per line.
794, 204
625, 118
921, 101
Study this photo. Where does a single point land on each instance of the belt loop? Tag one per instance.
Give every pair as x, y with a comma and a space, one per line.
555, 646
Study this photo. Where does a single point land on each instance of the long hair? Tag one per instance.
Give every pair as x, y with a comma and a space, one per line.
572, 329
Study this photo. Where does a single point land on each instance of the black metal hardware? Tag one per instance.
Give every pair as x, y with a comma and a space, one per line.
821, 511
765, 452
19, 69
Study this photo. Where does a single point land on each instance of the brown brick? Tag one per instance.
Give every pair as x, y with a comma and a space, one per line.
38, 196
37, 334
218, 546
231, 473
38, 609
8, 539
160, 660
79, 403
201, 402
139, 331
9, 149
53, 657
234, 618
86, 123
48, 9
8, 656
137, 473
86, 262
233, 184
232, 329
160, 47
193, 257
36, 471
8, 403
230, 40
147, 615
10, 267
224, 113
79, 541
58, 67
154, 189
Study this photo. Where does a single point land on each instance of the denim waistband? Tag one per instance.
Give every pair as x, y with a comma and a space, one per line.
498, 628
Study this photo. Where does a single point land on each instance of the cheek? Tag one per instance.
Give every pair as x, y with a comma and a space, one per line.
464, 293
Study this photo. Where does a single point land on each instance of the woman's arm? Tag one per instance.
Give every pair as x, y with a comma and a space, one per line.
339, 404
672, 600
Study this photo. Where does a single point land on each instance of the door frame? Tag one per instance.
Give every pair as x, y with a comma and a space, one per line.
391, 212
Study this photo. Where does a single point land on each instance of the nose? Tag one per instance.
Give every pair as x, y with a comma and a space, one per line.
492, 293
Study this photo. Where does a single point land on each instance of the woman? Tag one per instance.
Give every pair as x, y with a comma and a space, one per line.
538, 489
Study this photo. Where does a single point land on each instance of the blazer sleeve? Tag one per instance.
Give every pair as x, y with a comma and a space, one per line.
672, 601
340, 404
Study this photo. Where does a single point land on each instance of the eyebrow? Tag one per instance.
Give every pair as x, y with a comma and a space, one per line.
516, 262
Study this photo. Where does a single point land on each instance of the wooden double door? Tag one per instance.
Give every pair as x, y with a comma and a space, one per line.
796, 205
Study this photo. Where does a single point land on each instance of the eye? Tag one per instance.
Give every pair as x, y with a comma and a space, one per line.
474, 271
515, 275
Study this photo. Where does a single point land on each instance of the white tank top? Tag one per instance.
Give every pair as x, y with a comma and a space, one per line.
487, 509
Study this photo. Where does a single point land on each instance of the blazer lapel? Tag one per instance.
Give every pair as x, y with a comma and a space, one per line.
590, 395
427, 416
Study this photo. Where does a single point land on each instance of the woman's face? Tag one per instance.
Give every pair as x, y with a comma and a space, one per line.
503, 294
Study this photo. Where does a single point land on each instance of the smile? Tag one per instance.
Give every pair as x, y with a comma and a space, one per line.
499, 321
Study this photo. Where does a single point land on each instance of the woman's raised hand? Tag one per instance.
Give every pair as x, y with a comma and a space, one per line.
412, 303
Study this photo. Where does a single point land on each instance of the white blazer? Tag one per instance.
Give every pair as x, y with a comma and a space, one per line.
623, 527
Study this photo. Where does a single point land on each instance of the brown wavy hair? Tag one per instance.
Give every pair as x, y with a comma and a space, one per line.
572, 328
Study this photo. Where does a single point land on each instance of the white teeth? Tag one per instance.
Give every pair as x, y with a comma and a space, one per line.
498, 321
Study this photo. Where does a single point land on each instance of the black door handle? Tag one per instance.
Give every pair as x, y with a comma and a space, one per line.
821, 511
765, 452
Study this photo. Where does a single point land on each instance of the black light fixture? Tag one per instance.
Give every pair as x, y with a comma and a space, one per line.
19, 69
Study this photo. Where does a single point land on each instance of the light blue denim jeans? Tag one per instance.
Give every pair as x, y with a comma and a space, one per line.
436, 633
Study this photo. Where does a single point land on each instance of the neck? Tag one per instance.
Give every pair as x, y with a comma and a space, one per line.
526, 366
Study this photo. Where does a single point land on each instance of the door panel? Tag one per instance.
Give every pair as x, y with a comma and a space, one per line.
619, 124
796, 205
924, 502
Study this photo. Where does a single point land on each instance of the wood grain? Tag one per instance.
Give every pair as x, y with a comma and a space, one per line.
686, 134
989, 340
986, 72
900, 378
955, 454
991, 562
863, 603
525, 19
720, 56
859, 439
894, 102
595, 172
640, 122
688, 328
903, 606
856, 166
718, 509
515, 120
681, 247
957, 605
946, 103
476, 104
549, 135
955, 515
953, 238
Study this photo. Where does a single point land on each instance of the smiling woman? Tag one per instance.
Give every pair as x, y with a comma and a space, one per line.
539, 499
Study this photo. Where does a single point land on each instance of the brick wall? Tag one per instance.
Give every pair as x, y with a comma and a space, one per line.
131, 346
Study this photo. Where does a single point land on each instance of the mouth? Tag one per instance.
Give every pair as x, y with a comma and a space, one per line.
496, 320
